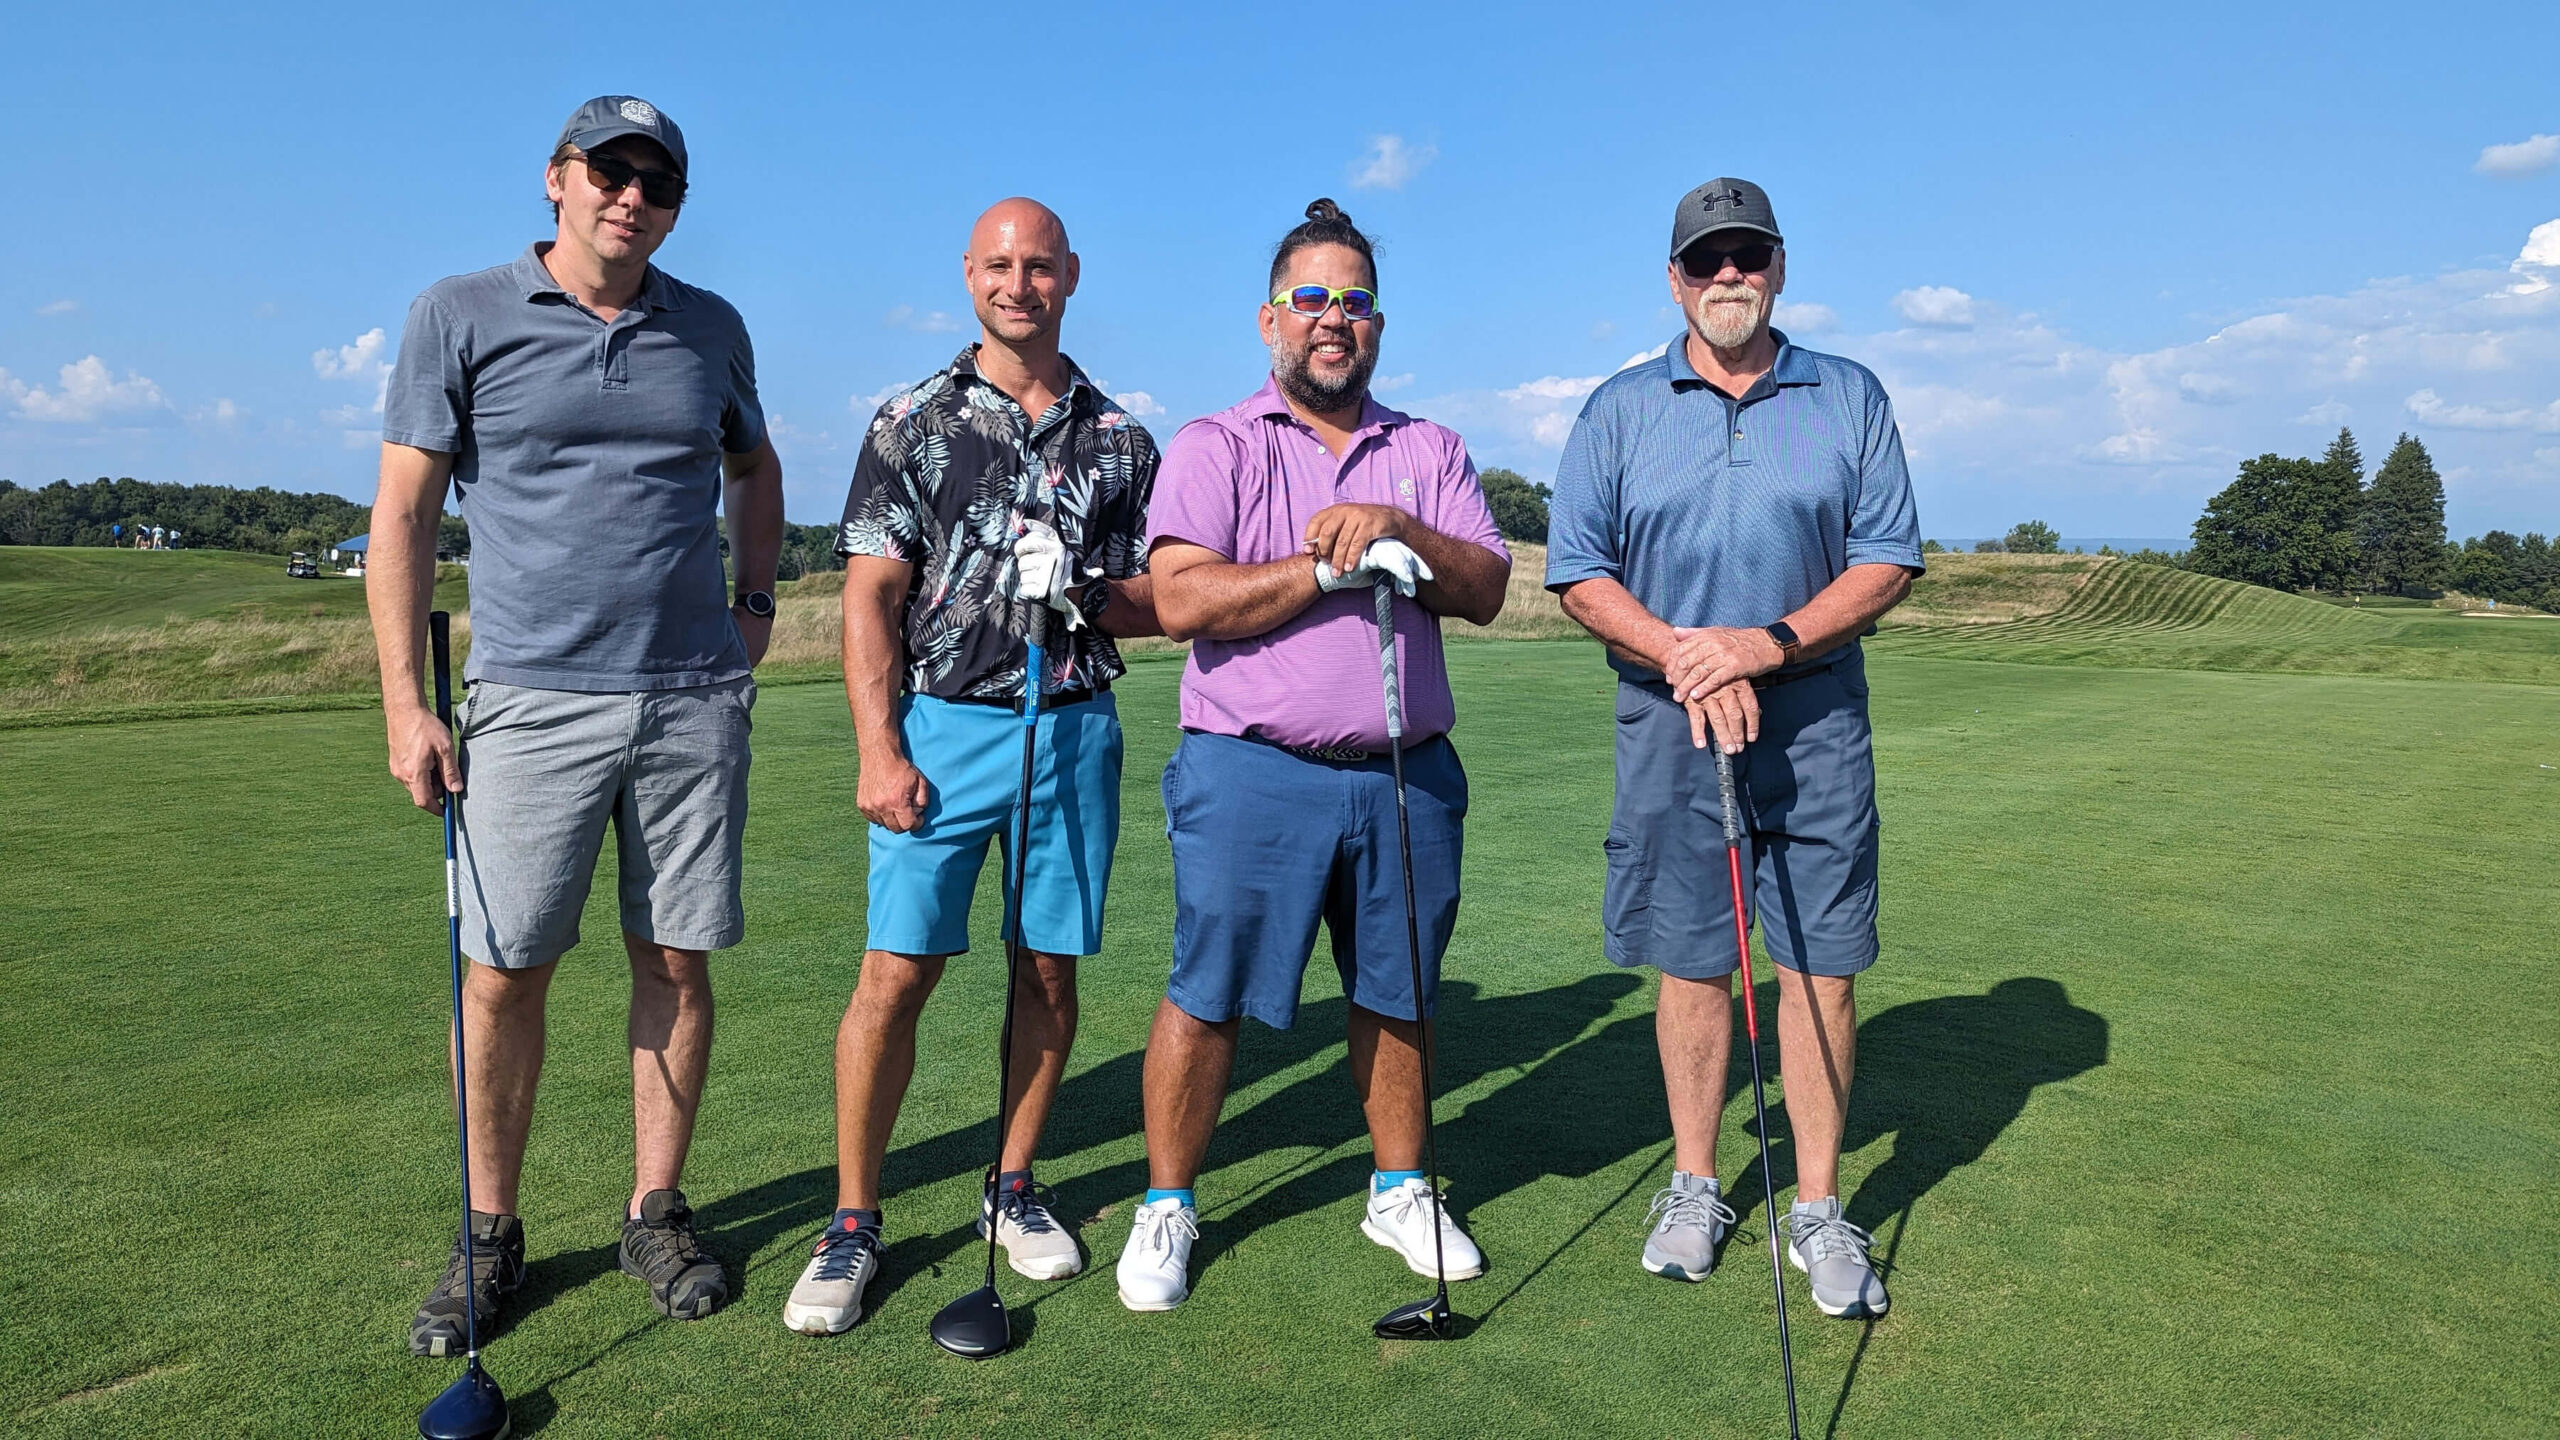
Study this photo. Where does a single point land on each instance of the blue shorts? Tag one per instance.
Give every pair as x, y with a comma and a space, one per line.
971, 758
1809, 833
1266, 844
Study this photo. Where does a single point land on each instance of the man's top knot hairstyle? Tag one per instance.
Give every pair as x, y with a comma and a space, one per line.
1325, 225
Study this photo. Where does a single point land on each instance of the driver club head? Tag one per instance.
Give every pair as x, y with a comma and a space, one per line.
1422, 1320
471, 1408
975, 1326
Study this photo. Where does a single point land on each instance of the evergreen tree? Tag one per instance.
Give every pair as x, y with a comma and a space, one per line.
2401, 528
2326, 510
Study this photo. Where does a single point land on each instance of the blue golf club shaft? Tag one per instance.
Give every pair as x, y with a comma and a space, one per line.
440, 641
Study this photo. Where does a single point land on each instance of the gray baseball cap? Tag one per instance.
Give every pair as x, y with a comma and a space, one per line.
1723, 203
610, 117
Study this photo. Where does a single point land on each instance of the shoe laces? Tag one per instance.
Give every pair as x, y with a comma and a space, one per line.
1828, 1237
672, 1239
1027, 1206
841, 1252
1157, 1227
1702, 1208
1417, 1194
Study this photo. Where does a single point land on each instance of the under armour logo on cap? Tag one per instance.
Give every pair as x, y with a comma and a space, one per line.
1723, 203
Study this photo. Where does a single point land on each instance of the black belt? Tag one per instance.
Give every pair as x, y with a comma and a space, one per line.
1049, 701
1336, 754
1772, 682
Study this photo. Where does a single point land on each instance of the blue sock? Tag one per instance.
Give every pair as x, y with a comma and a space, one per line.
852, 1219
1382, 1181
1012, 1180
1183, 1195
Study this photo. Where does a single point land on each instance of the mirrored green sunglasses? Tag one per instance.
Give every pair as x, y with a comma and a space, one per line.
1357, 304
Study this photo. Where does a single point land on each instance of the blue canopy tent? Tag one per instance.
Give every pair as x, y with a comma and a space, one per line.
353, 549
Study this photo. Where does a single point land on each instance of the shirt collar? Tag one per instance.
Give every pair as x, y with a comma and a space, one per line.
964, 366
1269, 402
1793, 367
657, 291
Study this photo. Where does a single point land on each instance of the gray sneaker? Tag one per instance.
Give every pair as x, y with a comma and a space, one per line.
1689, 1219
1832, 1253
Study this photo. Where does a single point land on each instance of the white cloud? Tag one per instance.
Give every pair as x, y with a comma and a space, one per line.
1546, 407
868, 405
1642, 356
1938, 306
2326, 413
927, 322
2541, 253
2426, 405
1139, 403
2524, 157
87, 390
58, 307
1389, 384
1805, 317
366, 359
1389, 163
2205, 388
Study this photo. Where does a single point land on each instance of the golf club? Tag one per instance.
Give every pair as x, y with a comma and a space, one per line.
1759, 1103
1423, 1319
472, 1407
976, 1326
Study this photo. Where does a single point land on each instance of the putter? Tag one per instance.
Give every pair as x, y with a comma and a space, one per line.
472, 1407
1759, 1104
976, 1326
1423, 1319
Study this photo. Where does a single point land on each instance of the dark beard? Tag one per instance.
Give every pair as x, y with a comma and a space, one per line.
1289, 367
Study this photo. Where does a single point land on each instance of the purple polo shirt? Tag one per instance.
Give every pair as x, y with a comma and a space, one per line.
1244, 482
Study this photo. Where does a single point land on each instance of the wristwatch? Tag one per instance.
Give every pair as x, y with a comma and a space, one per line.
1788, 645
758, 603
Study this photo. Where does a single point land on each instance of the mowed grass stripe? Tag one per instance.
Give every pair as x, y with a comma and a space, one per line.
2206, 1087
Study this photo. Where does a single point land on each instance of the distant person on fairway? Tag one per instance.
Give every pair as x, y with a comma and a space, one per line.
1002, 481
591, 410
1729, 518
1276, 519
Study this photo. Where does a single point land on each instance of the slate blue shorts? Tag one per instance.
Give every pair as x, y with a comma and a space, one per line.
971, 757
1807, 788
1267, 843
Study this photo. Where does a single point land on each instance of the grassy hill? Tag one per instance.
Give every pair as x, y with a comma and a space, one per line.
2091, 610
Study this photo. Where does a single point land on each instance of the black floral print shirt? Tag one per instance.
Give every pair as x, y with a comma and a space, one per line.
946, 467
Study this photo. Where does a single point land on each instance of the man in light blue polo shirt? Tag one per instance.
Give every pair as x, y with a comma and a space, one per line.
1729, 518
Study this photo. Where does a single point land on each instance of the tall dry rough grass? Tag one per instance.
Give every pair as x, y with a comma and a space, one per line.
251, 656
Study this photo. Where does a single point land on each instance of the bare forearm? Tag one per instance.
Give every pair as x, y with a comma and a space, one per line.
1226, 601
1132, 611
1467, 580
400, 569
1847, 606
874, 653
754, 504
1617, 620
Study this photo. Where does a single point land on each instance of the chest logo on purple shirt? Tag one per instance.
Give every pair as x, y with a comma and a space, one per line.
1404, 487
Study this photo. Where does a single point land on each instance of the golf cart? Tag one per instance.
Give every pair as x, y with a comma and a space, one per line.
300, 567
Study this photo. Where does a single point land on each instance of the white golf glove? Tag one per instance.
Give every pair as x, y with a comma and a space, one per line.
1038, 574
1384, 560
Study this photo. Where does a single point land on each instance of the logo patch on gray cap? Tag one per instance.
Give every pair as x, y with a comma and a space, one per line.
639, 112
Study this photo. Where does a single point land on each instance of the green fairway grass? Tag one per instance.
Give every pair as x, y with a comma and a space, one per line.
2207, 1087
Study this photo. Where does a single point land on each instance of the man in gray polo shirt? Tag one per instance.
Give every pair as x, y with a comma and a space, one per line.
1729, 518
590, 411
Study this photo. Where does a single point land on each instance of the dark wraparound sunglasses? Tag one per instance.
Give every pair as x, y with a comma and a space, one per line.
1703, 263
1357, 304
661, 188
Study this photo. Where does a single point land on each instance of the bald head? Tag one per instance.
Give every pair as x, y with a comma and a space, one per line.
1020, 273
1017, 221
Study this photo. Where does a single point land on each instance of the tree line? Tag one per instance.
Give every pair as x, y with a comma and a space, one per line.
213, 517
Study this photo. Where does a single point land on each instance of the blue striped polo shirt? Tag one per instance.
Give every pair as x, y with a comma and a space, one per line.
1717, 511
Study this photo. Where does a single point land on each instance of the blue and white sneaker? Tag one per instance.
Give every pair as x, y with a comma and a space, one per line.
828, 1298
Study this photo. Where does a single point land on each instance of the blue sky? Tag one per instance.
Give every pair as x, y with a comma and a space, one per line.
2097, 257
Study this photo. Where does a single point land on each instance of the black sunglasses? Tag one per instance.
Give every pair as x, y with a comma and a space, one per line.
1703, 263
661, 188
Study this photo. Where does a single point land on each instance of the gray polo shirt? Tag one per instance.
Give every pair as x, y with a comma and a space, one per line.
587, 457
1713, 510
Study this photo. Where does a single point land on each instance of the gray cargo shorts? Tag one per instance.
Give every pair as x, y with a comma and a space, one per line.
1809, 825
543, 770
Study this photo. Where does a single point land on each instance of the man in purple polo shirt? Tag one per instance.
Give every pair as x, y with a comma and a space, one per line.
1272, 522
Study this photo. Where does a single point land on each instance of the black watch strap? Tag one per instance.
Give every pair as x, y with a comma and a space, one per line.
1788, 645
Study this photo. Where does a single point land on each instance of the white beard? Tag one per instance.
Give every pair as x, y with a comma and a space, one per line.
1729, 326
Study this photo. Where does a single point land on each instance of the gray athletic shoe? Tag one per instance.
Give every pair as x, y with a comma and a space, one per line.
685, 1282
1689, 1219
497, 1271
1832, 1253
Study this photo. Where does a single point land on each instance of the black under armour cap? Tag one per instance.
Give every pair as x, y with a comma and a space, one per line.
610, 117
1723, 203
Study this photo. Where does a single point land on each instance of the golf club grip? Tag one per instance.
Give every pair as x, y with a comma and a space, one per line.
1724, 792
1387, 662
440, 647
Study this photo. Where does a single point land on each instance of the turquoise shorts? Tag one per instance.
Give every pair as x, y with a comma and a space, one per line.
971, 758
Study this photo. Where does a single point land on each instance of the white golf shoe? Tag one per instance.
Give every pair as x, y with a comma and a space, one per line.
1399, 1218
1035, 1244
828, 1298
1155, 1271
